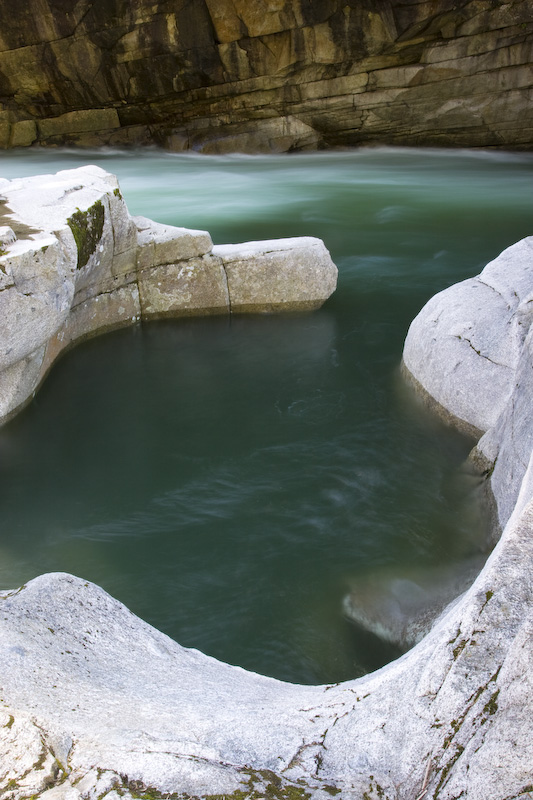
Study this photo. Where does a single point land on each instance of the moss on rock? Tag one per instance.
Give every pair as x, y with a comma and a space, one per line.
87, 228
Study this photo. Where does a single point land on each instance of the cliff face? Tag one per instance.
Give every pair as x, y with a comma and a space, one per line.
252, 75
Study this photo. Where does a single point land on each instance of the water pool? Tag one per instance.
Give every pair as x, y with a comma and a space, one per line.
229, 479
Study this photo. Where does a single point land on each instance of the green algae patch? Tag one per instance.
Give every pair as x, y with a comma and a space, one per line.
261, 785
87, 228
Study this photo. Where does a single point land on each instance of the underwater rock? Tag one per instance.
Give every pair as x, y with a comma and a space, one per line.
400, 607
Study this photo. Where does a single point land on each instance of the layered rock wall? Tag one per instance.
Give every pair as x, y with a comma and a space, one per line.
245, 75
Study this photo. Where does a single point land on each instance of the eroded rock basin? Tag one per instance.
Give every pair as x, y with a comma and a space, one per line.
200, 728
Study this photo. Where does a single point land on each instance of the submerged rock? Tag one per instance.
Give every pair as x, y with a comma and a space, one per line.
400, 607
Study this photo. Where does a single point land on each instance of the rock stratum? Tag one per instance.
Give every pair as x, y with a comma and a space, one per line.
95, 703
73, 263
246, 75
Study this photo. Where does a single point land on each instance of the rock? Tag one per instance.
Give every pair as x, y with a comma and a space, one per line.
469, 353
188, 287
164, 244
81, 265
401, 606
23, 133
464, 346
93, 119
249, 76
36, 296
291, 274
507, 447
99, 695
7, 236
165, 725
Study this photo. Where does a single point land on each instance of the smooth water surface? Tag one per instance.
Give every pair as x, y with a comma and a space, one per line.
229, 479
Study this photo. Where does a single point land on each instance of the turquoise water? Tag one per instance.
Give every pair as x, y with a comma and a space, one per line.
229, 479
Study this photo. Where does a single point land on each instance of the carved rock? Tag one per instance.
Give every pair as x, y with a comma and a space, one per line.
94, 702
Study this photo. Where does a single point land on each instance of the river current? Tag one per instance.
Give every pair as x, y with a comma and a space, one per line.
229, 479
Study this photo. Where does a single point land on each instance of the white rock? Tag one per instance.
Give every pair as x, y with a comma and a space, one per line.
108, 692
289, 274
464, 346
7, 235
166, 244
95, 702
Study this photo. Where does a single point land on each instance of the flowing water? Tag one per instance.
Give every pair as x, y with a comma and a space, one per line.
228, 479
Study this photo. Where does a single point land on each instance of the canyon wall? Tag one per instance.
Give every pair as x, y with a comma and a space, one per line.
95, 703
74, 263
249, 75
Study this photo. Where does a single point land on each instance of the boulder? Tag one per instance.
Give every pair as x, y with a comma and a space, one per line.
281, 274
464, 347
